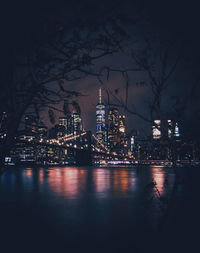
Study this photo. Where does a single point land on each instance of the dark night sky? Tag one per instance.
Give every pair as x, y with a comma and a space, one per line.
21, 27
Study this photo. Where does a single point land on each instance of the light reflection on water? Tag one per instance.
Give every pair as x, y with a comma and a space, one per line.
67, 182
74, 182
102, 182
159, 178
57, 205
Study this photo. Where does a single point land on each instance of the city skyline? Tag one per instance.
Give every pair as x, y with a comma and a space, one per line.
110, 143
99, 126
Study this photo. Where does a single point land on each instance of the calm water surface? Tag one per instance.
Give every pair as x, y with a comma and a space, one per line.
80, 209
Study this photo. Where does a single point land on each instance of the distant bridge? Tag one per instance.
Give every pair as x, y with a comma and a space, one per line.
84, 155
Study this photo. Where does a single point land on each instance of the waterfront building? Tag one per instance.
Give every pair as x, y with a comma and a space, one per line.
169, 128
165, 128
156, 129
100, 120
176, 130
113, 128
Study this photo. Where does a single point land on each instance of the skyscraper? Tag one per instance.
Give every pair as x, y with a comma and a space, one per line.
113, 128
76, 123
122, 124
132, 144
100, 119
176, 130
169, 128
123, 143
156, 129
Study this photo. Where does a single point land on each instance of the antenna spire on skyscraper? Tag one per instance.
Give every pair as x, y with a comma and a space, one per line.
100, 96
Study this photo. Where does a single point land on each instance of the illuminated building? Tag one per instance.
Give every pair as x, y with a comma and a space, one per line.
26, 135
169, 128
173, 129
132, 144
71, 123
76, 123
165, 128
66, 122
41, 130
122, 124
123, 143
113, 128
176, 130
100, 120
24, 154
156, 129
63, 121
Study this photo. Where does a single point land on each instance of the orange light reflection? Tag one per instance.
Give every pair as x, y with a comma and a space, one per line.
102, 180
158, 175
68, 182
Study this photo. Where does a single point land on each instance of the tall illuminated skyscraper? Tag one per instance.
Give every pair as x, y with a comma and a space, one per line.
113, 128
100, 119
123, 143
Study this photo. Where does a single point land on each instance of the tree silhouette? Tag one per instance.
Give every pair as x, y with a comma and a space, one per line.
58, 48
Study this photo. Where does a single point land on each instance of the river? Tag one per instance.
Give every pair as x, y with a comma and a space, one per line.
82, 209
